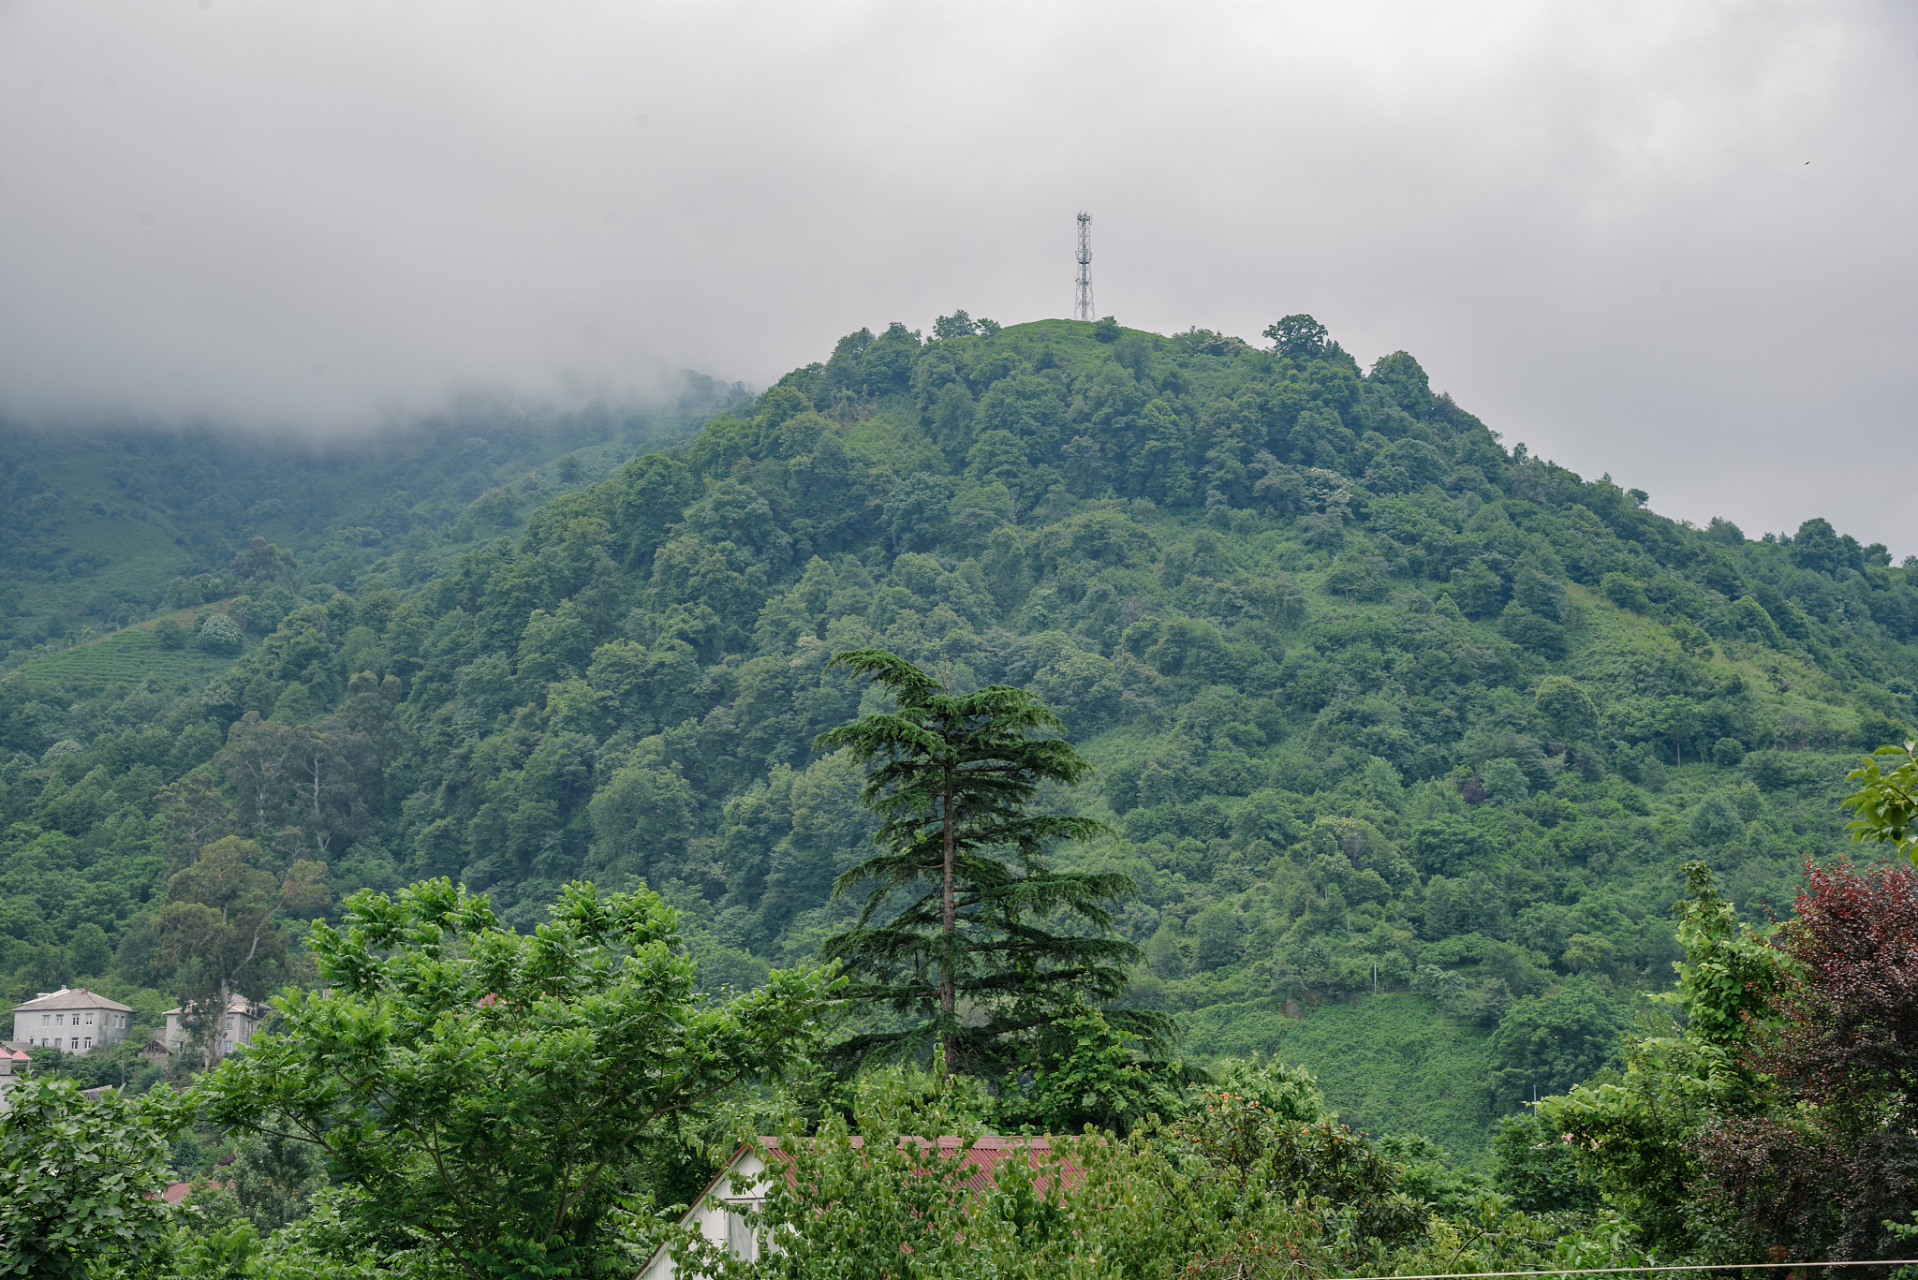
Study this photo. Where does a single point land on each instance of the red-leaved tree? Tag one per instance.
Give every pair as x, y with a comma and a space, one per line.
1821, 1170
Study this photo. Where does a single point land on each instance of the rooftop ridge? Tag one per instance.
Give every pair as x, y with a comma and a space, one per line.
72, 998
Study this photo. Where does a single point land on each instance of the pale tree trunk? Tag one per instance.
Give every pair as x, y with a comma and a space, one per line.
948, 995
315, 766
214, 1051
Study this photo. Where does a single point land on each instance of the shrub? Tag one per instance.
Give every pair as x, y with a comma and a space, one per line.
1355, 580
1504, 781
221, 635
1625, 591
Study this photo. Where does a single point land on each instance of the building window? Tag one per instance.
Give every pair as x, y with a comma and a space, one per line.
75, 1043
739, 1236
46, 1019
89, 1018
59, 1019
89, 1043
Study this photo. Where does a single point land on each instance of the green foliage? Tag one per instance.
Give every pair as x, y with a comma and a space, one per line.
1546, 1046
1229, 1188
1886, 801
220, 926
515, 673
1087, 1072
1390, 1065
1568, 710
486, 1089
1538, 1168
79, 1179
1728, 976
1299, 336
1634, 1132
953, 776
271, 1179
221, 635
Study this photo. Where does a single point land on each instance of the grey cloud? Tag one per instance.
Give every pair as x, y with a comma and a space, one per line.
1593, 224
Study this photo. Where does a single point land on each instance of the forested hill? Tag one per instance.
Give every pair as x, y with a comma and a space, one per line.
1377, 704
101, 526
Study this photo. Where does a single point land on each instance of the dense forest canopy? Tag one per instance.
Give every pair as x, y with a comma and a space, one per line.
1404, 734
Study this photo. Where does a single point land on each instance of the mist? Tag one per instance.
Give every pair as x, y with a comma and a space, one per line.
1671, 243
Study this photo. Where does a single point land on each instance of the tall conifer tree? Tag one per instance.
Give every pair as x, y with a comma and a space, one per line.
992, 945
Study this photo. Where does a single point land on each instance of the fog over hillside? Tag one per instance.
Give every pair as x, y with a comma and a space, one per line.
1665, 244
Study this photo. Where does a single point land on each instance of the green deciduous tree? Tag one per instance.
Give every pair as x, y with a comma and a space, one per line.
1537, 1168
1886, 800
1634, 1133
992, 945
487, 1090
79, 1178
1095, 1077
1547, 1045
221, 635
1299, 336
221, 923
1568, 711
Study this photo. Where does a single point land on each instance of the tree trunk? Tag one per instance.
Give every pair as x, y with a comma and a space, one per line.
213, 1052
950, 921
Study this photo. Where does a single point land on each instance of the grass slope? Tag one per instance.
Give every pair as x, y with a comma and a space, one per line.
1389, 1064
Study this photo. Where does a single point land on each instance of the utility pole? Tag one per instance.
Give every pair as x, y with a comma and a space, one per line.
1082, 302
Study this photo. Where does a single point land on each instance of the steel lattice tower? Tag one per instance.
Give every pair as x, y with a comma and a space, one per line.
1082, 302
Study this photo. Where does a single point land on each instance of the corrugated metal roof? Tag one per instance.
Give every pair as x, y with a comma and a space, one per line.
984, 1157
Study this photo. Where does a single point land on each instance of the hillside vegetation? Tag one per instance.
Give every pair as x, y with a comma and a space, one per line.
1378, 705
101, 528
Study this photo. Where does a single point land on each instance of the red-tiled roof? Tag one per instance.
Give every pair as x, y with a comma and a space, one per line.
178, 1191
984, 1157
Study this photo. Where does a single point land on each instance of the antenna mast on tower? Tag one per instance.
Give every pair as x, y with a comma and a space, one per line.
1082, 302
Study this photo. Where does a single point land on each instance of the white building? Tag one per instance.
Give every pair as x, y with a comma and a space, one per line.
720, 1211
236, 1028
72, 1020
13, 1069
717, 1211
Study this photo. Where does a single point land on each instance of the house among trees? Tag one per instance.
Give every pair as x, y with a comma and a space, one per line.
720, 1210
235, 1029
13, 1069
74, 1020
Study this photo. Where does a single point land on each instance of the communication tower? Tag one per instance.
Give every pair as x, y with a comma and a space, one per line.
1082, 302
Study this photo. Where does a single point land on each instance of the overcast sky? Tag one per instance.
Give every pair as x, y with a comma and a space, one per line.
1674, 242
